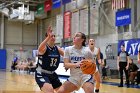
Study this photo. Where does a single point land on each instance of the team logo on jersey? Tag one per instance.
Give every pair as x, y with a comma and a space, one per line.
53, 55
76, 58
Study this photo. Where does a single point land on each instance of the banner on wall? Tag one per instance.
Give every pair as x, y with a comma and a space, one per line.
123, 17
67, 24
40, 9
65, 1
132, 46
56, 4
48, 5
35, 53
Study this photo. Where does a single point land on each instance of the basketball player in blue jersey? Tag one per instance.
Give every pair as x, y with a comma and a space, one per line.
48, 61
73, 57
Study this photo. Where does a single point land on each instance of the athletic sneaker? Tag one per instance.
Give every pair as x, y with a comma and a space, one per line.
120, 85
96, 90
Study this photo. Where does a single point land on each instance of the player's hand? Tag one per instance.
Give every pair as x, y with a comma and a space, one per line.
139, 61
66, 69
127, 67
118, 67
81, 64
49, 32
78, 64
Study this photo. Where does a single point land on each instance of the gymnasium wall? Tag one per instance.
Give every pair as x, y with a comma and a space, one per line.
138, 7
107, 20
19, 36
138, 17
104, 41
0, 27
107, 31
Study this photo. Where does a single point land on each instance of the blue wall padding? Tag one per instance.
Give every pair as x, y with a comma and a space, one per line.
2, 59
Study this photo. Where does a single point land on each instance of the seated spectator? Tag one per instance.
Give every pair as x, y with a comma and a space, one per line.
13, 66
133, 69
138, 77
24, 65
32, 66
138, 57
104, 69
19, 65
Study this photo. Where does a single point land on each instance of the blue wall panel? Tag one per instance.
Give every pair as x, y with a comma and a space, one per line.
2, 59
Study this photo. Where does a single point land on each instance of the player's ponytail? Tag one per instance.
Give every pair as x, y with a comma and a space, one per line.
83, 37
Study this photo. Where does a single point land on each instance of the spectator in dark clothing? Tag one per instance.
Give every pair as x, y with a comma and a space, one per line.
32, 66
133, 69
13, 65
102, 58
138, 57
138, 77
104, 69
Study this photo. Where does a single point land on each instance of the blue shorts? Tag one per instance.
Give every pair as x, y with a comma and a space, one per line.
42, 78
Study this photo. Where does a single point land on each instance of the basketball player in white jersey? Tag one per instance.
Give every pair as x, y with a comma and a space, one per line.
73, 56
96, 55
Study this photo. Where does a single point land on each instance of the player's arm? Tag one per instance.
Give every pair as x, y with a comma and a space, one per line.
60, 51
138, 57
89, 56
102, 63
42, 46
127, 60
118, 60
67, 64
98, 57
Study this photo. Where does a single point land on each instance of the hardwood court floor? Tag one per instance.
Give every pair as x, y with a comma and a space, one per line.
14, 82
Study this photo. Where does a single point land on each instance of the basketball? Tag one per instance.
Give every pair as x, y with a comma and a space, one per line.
88, 67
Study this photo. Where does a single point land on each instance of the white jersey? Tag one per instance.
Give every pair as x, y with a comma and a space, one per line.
94, 53
75, 56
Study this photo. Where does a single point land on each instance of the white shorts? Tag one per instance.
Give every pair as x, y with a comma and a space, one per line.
79, 80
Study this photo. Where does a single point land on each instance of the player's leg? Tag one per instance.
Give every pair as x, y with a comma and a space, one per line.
132, 77
121, 77
67, 87
127, 77
87, 83
47, 88
97, 78
56, 83
88, 87
44, 82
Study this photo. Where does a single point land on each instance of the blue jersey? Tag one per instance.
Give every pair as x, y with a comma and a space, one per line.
50, 59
